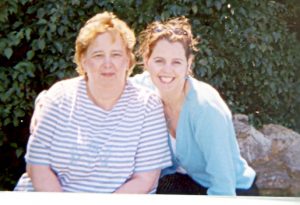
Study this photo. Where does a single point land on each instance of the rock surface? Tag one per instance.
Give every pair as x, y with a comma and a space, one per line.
274, 153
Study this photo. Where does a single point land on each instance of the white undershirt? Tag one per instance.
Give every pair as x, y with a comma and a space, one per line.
179, 169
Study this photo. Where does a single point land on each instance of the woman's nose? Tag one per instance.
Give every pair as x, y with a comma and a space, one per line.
107, 62
167, 67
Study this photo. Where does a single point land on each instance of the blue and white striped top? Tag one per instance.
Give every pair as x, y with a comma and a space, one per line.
94, 150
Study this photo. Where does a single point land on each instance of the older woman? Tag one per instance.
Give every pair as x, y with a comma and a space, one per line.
206, 155
98, 132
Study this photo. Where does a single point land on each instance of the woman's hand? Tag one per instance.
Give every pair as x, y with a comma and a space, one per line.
140, 183
43, 178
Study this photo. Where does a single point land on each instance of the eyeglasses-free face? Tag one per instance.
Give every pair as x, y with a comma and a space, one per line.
106, 62
168, 66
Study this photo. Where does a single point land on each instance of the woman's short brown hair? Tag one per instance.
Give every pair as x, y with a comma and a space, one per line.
100, 23
174, 30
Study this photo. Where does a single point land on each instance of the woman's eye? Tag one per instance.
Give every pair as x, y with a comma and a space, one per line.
177, 63
116, 54
98, 55
158, 61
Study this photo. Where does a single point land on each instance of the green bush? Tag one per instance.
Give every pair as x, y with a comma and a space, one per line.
247, 52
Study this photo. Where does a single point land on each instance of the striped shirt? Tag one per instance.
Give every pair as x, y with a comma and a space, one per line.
94, 150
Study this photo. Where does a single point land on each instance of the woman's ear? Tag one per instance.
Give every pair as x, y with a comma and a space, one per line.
190, 62
83, 62
145, 61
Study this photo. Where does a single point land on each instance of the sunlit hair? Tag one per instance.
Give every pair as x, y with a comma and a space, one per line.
100, 23
174, 30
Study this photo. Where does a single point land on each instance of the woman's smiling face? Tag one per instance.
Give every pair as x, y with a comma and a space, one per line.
168, 66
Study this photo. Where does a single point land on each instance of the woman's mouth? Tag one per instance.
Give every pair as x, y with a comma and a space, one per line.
166, 79
107, 74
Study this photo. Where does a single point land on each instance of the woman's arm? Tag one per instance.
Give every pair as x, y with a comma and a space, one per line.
216, 140
152, 153
38, 104
43, 126
43, 178
140, 183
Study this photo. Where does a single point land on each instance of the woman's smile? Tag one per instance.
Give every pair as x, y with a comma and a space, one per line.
169, 68
166, 79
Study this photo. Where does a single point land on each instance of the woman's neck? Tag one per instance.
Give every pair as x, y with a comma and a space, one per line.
174, 100
173, 103
106, 98
172, 111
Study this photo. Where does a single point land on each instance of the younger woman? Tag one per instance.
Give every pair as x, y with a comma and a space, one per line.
206, 155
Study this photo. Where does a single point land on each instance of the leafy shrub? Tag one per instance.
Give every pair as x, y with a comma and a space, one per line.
247, 52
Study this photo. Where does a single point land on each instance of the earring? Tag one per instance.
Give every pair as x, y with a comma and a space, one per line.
186, 77
85, 76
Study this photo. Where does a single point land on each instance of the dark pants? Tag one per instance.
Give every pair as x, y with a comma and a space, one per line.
183, 184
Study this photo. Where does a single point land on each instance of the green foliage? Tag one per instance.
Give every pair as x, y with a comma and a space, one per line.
250, 55
247, 52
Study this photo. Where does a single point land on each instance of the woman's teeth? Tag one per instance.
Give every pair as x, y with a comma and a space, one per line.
166, 79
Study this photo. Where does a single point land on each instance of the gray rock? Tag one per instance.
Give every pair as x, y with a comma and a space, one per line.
281, 137
274, 153
253, 144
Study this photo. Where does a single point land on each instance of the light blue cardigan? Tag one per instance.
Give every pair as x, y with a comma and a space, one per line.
206, 145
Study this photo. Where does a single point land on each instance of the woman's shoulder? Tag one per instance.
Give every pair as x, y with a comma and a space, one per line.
62, 88
143, 80
207, 98
203, 89
145, 95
